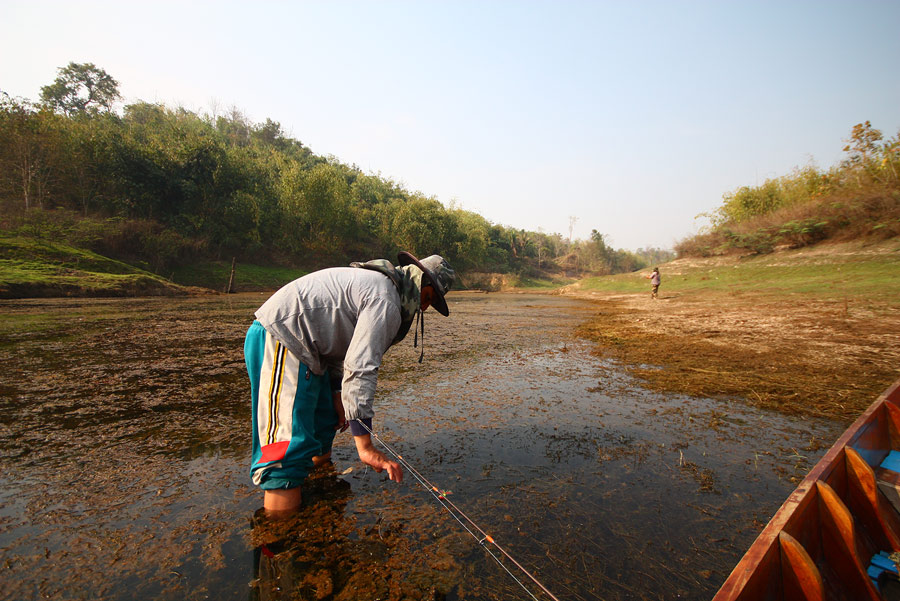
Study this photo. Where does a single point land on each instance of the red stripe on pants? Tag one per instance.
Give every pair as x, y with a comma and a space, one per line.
274, 451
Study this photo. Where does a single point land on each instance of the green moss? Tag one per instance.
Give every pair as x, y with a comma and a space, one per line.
247, 277
30, 267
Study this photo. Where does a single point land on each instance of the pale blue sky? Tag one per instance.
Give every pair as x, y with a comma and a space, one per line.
631, 116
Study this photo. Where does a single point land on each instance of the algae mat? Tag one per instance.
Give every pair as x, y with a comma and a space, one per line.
124, 440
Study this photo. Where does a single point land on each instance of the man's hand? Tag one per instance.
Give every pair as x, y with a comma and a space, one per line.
376, 459
342, 424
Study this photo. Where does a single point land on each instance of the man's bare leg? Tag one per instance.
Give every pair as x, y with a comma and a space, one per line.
320, 460
284, 500
281, 501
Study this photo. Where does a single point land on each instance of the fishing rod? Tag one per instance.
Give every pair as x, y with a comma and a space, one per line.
457, 513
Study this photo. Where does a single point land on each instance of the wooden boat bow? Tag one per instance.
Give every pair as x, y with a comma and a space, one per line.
832, 536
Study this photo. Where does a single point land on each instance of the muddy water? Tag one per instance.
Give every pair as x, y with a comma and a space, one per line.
124, 437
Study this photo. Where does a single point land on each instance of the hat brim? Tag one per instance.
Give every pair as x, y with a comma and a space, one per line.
438, 302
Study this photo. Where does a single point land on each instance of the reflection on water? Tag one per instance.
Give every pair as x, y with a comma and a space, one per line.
124, 437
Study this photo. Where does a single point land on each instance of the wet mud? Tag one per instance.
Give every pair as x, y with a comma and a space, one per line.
124, 446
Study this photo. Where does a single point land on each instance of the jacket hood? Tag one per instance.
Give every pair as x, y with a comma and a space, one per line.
408, 281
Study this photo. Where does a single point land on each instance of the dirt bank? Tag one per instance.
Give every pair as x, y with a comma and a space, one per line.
797, 354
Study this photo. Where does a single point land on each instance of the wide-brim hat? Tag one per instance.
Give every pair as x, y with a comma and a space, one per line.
438, 274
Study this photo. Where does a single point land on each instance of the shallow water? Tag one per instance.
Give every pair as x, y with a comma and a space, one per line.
124, 437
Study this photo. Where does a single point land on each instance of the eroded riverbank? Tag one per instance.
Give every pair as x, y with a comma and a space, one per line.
125, 439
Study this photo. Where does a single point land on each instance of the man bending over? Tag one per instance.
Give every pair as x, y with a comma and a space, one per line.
313, 355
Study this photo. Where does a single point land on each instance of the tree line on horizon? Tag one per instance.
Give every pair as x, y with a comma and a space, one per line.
167, 186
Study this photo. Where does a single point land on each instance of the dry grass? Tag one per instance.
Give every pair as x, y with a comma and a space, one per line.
818, 357
871, 212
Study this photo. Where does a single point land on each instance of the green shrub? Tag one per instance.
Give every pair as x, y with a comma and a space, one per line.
803, 232
758, 242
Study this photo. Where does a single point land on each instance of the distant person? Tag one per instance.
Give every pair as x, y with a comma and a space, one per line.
313, 355
654, 282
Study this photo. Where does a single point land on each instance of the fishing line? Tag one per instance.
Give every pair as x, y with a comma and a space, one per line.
456, 512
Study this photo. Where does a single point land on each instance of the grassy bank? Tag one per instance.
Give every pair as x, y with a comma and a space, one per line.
33, 267
215, 275
38, 267
41, 268
823, 272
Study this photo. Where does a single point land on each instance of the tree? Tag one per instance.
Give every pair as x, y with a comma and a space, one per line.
89, 160
863, 142
30, 154
81, 88
236, 127
421, 225
472, 238
600, 257
862, 147
315, 203
891, 150
269, 134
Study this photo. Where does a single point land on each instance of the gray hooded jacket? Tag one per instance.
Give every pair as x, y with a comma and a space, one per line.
343, 320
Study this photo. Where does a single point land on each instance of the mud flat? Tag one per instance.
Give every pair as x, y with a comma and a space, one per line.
818, 345
124, 438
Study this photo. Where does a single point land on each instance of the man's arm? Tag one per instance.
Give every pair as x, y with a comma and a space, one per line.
375, 329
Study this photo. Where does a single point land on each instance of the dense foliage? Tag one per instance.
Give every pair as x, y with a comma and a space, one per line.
163, 186
859, 198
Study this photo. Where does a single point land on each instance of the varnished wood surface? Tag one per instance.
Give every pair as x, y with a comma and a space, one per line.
822, 524
801, 578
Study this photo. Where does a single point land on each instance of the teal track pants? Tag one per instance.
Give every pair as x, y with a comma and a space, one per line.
293, 415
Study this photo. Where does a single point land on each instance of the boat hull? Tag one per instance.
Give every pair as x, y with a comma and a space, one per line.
839, 521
